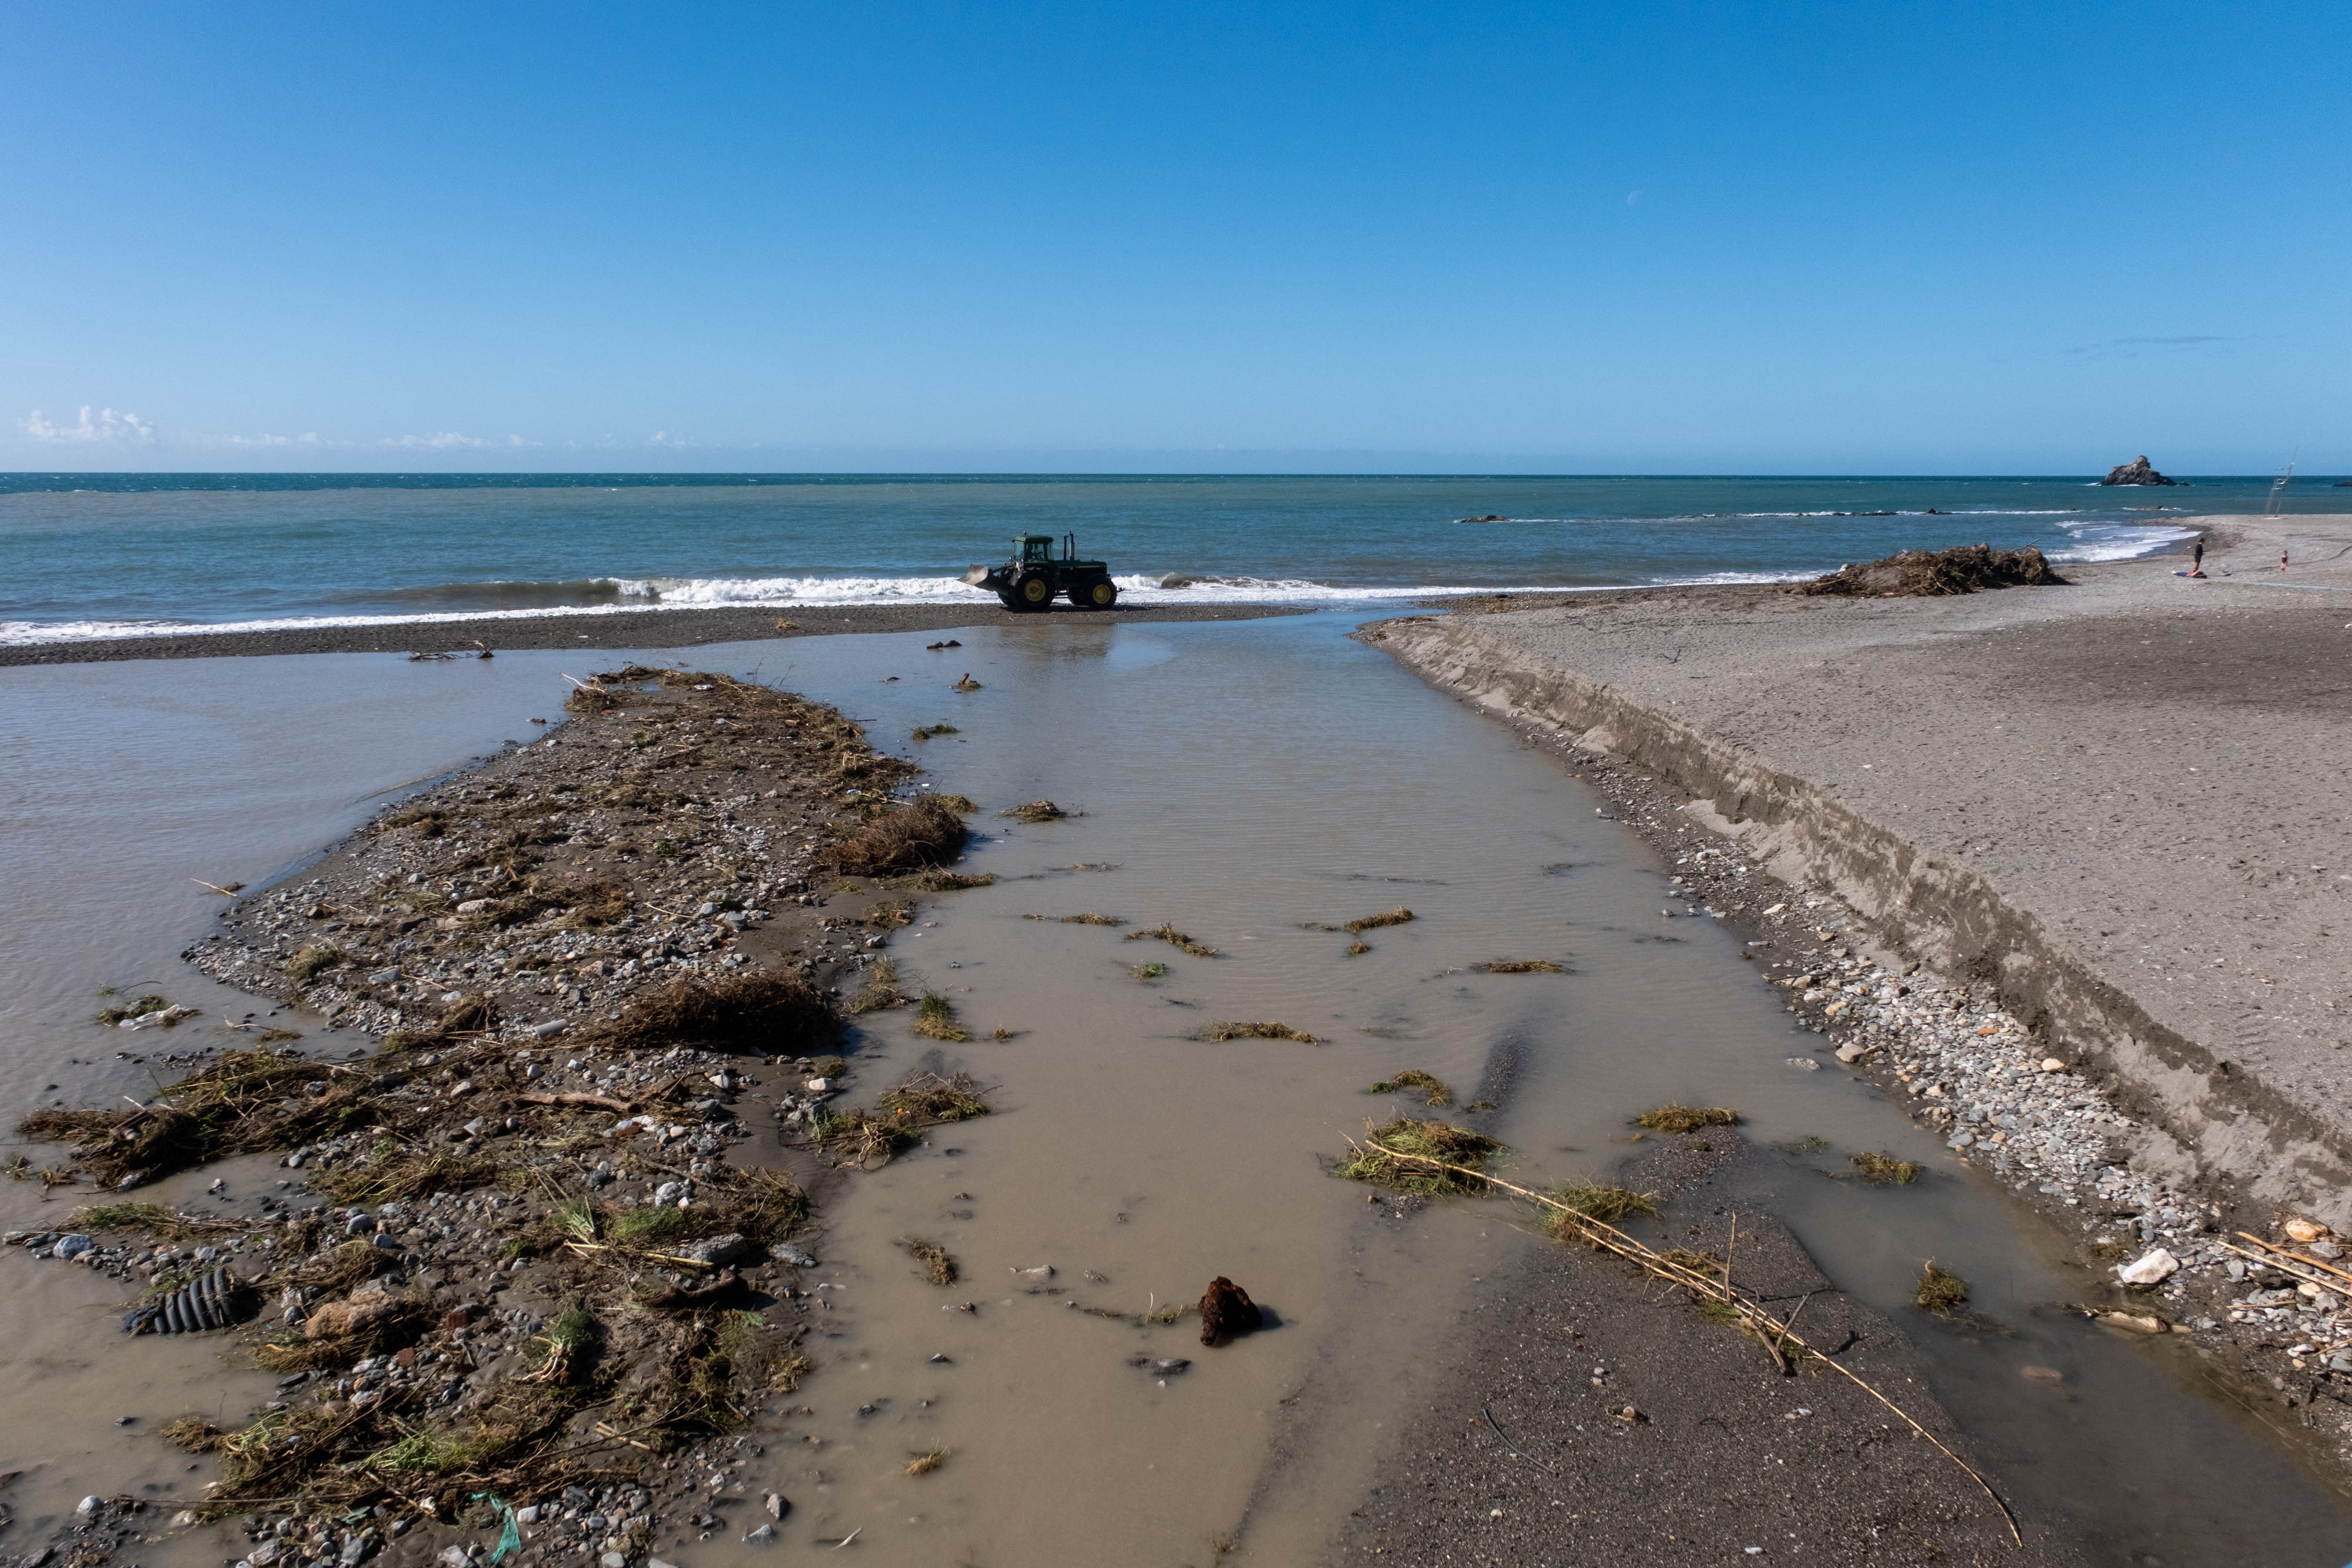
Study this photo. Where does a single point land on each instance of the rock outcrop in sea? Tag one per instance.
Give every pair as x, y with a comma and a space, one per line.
2138, 471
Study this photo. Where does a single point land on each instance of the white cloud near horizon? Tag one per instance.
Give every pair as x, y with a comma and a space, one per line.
108, 426
439, 441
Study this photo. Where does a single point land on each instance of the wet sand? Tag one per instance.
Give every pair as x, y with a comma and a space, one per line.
641, 629
1532, 1457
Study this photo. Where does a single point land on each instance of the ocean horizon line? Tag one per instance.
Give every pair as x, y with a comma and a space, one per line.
26, 481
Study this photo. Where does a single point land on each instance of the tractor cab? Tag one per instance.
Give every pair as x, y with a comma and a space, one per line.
1036, 575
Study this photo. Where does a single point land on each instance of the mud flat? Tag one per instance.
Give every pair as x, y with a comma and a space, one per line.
2062, 866
645, 629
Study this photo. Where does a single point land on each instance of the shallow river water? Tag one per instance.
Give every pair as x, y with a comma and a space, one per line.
1249, 783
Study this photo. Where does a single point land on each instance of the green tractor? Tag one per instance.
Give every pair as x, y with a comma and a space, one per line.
1036, 576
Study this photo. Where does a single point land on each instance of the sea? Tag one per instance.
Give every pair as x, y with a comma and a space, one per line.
110, 555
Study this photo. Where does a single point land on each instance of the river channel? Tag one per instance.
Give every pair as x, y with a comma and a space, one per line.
1254, 784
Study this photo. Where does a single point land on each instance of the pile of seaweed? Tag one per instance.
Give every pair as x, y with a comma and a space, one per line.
1924, 574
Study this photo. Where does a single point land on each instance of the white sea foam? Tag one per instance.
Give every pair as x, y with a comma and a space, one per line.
2119, 541
652, 596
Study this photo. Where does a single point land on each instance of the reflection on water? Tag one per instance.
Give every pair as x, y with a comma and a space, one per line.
1251, 784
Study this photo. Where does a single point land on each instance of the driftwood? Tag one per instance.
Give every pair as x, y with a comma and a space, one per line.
2287, 1262
1779, 1337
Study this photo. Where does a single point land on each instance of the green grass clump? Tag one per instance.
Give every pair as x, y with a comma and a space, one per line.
1522, 966
424, 1454
1883, 1169
1088, 918
646, 1222
1940, 1291
881, 992
1147, 973
1686, 1118
1413, 1078
935, 1018
925, 731
1437, 1141
313, 961
1374, 922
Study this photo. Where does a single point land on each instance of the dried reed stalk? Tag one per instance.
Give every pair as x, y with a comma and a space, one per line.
1752, 1315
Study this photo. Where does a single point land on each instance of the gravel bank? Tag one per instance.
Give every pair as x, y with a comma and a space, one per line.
541, 1235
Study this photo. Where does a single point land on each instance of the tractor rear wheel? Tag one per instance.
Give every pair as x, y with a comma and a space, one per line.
1100, 593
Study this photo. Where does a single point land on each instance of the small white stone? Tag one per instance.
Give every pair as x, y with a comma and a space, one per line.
2152, 1267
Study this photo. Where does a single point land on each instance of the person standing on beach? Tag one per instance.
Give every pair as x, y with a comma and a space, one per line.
2197, 557
2282, 561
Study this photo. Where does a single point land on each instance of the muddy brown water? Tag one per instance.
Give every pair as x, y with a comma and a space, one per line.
1243, 782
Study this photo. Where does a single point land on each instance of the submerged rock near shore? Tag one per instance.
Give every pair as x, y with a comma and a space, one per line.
2138, 471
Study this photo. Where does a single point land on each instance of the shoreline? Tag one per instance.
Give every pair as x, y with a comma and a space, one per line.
2143, 1138
666, 628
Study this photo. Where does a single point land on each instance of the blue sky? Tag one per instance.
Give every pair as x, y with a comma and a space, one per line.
1869, 238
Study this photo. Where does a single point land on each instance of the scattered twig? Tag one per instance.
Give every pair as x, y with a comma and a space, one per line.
1495, 1426
2270, 1261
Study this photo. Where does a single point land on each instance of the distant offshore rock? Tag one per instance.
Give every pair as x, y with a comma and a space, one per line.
2138, 471
1489, 517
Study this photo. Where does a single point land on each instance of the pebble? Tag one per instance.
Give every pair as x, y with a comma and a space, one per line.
2150, 1269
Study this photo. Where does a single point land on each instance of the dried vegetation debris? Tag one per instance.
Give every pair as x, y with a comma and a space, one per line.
639, 842
527, 1266
1224, 1031
899, 1117
1911, 574
1686, 1118
1413, 1079
397, 1392
1166, 932
1438, 1144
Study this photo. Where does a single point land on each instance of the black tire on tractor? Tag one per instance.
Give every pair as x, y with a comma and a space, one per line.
1036, 592
1010, 600
1100, 593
